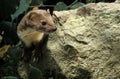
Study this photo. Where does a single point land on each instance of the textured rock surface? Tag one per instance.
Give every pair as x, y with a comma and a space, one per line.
87, 44
118, 1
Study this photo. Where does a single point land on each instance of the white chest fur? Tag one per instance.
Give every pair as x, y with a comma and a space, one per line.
29, 36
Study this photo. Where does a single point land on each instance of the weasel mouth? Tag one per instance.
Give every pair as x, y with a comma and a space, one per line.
52, 30
47, 30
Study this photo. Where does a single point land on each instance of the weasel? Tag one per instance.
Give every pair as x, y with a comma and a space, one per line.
34, 25
31, 31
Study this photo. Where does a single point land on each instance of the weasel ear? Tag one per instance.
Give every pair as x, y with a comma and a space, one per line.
30, 18
48, 11
32, 15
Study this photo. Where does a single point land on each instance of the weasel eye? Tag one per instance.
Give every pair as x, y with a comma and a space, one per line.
44, 23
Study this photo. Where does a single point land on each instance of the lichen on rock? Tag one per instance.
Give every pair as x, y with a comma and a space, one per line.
87, 46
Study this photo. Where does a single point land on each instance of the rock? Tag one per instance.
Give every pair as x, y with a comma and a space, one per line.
86, 44
117, 1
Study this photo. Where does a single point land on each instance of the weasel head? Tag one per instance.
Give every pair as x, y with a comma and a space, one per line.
41, 21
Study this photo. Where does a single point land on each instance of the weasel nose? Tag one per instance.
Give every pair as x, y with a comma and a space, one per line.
51, 29
55, 29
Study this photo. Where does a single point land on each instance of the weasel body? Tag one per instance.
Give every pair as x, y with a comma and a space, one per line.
32, 30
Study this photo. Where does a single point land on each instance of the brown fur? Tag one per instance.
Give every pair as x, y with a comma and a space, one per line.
34, 25
31, 30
